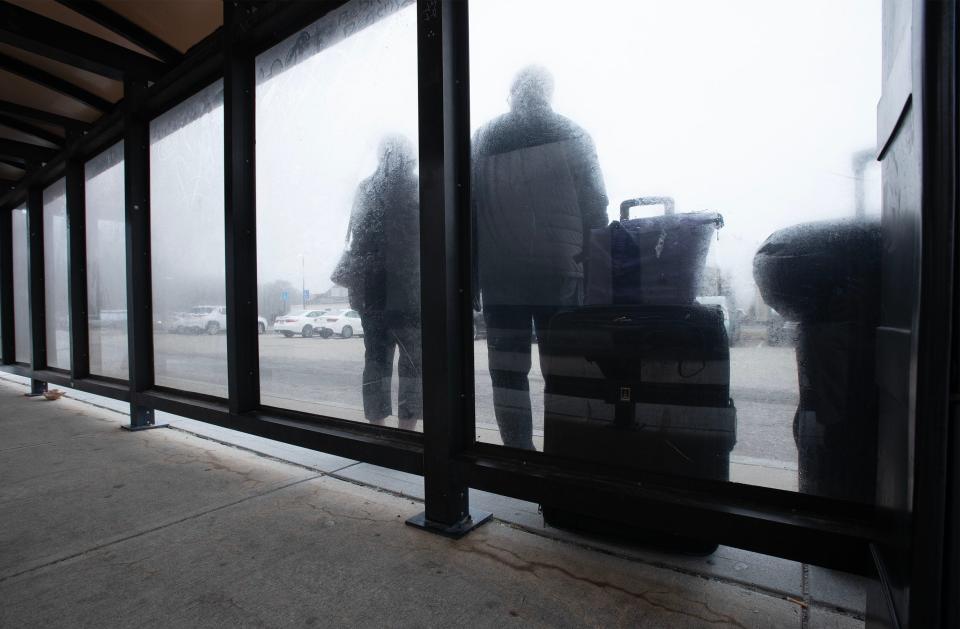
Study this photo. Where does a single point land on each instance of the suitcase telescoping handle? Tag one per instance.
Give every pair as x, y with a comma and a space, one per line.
666, 202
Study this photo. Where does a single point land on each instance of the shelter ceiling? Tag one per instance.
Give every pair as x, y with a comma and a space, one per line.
42, 78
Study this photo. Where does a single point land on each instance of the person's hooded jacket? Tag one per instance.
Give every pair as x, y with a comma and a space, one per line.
537, 190
384, 232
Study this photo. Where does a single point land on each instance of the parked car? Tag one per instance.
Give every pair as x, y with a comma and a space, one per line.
780, 331
731, 318
479, 326
109, 319
303, 322
344, 323
209, 319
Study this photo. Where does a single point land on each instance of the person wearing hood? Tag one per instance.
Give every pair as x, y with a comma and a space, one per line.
384, 234
537, 191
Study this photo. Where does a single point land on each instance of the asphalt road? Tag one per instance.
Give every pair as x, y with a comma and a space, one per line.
324, 375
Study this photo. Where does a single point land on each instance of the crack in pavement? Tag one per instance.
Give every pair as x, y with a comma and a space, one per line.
525, 565
333, 515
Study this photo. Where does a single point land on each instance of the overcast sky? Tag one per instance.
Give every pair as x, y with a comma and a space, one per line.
752, 108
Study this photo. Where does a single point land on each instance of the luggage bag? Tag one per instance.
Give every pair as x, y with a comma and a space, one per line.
826, 276
646, 387
655, 260
643, 381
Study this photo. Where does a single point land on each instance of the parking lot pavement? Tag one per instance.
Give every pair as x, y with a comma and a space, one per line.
324, 376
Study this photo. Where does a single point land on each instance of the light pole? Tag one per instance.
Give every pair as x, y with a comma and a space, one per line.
303, 285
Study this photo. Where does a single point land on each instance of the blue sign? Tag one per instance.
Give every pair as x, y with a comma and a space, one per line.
284, 296
306, 294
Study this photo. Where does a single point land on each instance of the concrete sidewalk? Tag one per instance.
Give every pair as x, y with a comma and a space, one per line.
163, 528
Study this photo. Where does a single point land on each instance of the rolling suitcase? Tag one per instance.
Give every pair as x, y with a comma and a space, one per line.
642, 382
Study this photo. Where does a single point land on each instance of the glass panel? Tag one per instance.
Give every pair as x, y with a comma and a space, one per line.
21, 287
187, 245
107, 264
56, 291
336, 160
741, 151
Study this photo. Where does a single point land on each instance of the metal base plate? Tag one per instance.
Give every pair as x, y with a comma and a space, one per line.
146, 427
455, 531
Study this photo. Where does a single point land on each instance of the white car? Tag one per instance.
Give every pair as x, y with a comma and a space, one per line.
209, 319
303, 322
730, 322
345, 323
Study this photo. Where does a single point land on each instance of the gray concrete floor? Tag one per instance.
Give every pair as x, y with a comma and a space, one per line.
195, 527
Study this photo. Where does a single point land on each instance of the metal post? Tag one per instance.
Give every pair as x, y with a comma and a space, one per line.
77, 270
35, 272
136, 171
240, 222
444, 216
8, 345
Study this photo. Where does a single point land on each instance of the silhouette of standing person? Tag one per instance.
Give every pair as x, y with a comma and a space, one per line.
384, 234
537, 190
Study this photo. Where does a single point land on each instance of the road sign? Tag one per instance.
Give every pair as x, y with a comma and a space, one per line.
306, 295
285, 296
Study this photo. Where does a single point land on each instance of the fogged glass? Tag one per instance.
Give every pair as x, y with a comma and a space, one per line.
21, 287
106, 264
55, 271
187, 247
338, 217
677, 236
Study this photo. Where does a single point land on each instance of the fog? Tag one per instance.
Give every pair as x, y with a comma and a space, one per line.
186, 203
750, 108
56, 293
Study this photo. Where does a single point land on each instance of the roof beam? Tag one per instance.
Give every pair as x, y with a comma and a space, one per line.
42, 116
55, 83
35, 131
28, 152
123, 27
15, 162
43, 36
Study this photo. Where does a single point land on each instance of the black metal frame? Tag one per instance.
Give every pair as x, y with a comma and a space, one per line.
120, 25
41, 35
802, 527
136, 158
31, 129
240, 220
55, 83
938, 368
42, 116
